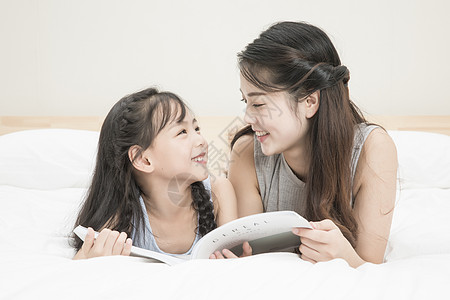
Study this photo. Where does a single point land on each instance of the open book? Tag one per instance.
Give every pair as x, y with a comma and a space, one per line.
266, 232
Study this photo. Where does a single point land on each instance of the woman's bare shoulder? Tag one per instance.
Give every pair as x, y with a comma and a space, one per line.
378, 159
378, 147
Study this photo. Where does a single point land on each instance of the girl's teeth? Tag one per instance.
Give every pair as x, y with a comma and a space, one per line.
261, 133
198, 159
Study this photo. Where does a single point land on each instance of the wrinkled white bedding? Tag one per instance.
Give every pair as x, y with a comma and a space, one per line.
35, 257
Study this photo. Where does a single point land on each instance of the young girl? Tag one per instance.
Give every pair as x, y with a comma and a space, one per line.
151, 182
309, 149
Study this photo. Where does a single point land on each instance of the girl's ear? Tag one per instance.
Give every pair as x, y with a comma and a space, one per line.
312, 104
140, 159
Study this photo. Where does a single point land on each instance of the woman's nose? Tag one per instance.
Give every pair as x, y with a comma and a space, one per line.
249, 117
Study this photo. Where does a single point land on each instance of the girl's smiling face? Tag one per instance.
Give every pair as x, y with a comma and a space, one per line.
277, 125
179, 151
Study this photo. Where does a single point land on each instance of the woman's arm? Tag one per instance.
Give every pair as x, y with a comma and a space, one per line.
224, 200
242, 175
374, 190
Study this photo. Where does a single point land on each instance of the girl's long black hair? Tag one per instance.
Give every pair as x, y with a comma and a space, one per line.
112, 200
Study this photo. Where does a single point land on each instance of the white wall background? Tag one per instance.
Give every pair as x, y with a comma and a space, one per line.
79, 57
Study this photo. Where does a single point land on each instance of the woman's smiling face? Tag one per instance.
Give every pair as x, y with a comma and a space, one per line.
279, 126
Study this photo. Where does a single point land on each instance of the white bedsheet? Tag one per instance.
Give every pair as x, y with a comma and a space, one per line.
267, 276
35, 257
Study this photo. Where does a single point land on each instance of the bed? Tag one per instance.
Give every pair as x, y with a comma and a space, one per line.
45, 166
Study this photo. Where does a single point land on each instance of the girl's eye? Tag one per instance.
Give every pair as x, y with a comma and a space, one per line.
244, 100
197, 129
182, 132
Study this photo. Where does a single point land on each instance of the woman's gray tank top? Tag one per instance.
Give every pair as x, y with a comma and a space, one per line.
281, 189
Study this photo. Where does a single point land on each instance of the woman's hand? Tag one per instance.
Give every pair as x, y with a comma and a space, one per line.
247, 251
325, 242
107, 243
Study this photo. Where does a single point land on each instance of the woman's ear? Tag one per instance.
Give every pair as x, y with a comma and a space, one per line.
140, 159
312, 104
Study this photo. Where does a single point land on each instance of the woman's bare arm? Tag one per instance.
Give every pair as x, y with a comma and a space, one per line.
242, 175
224, 200
375, 191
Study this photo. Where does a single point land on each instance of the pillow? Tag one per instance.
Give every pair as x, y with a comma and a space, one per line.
424, 159
48, 158
62, 158
420, 225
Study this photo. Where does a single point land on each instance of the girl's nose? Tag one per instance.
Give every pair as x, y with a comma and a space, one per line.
200, 140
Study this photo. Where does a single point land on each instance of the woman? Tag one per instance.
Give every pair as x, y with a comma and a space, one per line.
308, 148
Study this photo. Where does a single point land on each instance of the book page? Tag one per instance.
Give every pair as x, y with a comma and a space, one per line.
159, 257
281, 242
267, 232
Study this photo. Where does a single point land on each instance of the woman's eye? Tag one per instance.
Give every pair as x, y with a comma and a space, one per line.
254, 105
182, 132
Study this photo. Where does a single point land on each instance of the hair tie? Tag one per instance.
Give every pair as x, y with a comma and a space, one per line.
339, 73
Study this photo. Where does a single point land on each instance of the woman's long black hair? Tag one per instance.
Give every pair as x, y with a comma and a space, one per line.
112, 200
300, 59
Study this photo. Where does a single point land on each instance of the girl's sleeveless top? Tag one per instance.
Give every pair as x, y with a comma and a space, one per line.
146, 239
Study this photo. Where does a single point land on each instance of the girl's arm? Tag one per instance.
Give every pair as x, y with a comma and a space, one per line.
242, 175
224, 200
374, 190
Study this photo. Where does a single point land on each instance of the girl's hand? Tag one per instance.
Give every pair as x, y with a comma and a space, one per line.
325, 242
247, 251
107, 243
